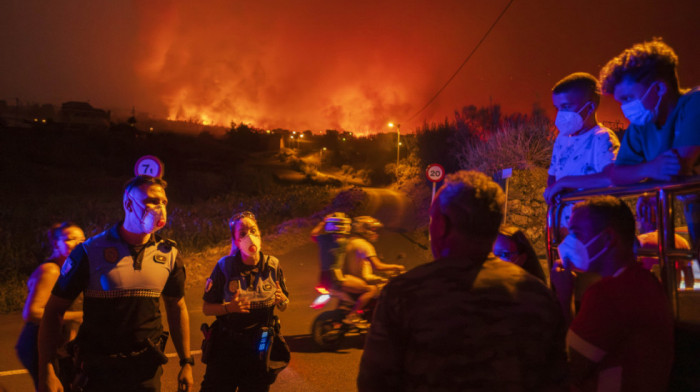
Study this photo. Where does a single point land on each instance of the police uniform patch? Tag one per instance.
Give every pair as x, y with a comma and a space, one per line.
233, 286
267, 287
111, 255
208, 285
159, 259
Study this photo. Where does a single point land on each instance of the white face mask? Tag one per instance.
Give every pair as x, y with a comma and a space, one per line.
569, 122
637, 113
250, 245
152, 219
574, 253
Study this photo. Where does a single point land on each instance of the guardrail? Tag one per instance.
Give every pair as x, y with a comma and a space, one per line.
670, 197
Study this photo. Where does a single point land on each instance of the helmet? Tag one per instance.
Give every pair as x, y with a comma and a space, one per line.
336, 223
365, 225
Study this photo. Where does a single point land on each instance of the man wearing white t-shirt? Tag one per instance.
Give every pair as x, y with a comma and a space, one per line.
584, 149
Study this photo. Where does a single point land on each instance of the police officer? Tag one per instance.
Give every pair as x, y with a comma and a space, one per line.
122, 272
242, 292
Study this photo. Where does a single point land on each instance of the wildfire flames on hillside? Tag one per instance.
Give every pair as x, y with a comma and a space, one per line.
309, 65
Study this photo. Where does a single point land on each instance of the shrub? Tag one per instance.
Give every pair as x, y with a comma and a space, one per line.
524, 146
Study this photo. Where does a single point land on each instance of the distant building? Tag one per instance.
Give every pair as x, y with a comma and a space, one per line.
82, 114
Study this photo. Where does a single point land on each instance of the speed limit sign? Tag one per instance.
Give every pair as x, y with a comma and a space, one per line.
435, 172
149, 165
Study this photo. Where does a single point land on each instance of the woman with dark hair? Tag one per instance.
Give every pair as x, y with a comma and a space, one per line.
62, 238
242, 292
513, 246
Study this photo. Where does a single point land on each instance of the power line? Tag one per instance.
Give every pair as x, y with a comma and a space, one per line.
464, 62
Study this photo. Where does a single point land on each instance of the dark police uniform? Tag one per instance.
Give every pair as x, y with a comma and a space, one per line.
122, 286
234, 361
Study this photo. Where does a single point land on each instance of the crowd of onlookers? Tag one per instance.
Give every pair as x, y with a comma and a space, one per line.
469, 321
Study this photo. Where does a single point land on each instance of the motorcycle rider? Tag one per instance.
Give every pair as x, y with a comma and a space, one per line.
331, 236
361, 262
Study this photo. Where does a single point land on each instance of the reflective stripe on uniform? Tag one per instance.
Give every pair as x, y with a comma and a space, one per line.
140, 293
588, 350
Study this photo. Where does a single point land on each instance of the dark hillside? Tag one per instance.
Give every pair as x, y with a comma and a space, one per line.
50, 174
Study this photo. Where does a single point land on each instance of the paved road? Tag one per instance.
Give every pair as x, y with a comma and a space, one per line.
310, 370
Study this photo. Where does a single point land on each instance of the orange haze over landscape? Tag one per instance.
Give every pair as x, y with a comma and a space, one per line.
321, 65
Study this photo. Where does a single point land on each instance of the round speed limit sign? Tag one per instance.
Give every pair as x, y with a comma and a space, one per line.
149, 165
435, 172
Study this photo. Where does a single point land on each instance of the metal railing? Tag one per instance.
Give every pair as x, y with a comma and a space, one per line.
667, 253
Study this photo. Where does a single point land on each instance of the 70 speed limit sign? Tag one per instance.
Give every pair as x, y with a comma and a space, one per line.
435, 172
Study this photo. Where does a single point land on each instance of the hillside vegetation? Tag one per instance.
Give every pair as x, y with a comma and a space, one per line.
50, 175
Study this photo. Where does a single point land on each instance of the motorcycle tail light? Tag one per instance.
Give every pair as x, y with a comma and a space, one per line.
320, 301
322, 290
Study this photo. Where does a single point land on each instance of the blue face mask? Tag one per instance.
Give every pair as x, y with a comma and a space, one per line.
637, 113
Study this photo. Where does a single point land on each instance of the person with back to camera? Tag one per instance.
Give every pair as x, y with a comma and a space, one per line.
63, 238
122, 272
513, 246
242, 292
361, 261
466, 321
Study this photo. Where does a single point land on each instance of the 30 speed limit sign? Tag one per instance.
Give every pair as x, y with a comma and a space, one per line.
435, 172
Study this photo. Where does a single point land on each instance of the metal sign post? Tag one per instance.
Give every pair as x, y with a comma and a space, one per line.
506, 173
435, 173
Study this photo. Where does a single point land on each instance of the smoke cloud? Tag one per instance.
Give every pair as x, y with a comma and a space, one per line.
301, 65
346, 65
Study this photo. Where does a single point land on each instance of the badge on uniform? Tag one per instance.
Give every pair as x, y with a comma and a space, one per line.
233, 286
111, 255
208, 285
160, 259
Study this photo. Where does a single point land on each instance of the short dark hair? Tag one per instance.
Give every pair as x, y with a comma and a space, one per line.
643, 62
610, 211
55, 231
579, 81
138, 181
142, 180
472, 202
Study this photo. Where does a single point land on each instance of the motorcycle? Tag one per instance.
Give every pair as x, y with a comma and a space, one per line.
328, 329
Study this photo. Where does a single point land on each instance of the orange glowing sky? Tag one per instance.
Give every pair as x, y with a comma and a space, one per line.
351, 65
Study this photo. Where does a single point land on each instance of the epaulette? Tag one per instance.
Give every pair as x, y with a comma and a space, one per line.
166, 245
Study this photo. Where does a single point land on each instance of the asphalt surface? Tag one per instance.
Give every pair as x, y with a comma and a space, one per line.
310, 369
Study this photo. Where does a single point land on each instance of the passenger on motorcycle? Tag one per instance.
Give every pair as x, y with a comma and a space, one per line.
361, 262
